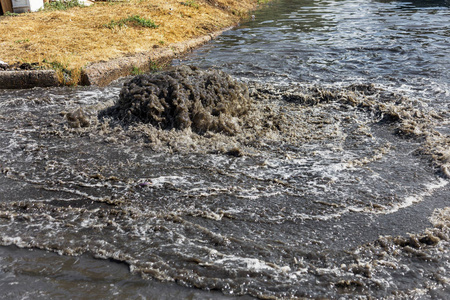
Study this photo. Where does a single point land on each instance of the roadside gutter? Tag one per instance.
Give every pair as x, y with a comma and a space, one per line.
104, 72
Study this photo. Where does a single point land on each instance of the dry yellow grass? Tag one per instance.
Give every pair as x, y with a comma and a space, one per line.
78, 36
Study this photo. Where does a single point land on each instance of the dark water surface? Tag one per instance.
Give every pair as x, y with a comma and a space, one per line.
336, 186
400, 44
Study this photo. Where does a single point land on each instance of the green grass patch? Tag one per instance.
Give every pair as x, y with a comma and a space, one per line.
67, 77
22, 41
11, 14
61, 5
54, 65
136, 71
155, 66
190, 3
136, 21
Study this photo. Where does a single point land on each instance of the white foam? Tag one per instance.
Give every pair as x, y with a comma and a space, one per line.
174, 180
251, 264
412, 199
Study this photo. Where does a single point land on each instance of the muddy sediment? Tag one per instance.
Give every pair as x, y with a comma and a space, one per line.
397, 256
408, 120
289, 204
251, 115
183, 97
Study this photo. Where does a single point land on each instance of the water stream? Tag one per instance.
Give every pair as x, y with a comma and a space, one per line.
336, 184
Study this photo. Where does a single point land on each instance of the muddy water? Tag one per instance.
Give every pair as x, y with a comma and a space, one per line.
335, 184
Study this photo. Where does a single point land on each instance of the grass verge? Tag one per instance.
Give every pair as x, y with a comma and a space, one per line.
74, 36
135, 20
61, 5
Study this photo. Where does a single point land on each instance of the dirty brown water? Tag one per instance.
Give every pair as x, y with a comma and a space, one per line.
333, 184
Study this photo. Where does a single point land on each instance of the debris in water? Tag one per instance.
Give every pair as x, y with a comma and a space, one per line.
77, 119
184, 97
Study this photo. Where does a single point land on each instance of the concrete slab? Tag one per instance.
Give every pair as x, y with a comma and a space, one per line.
28, 79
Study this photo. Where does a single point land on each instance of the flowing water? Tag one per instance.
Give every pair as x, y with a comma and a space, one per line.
335, 185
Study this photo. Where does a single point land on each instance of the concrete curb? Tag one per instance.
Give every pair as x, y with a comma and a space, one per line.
102, 73
28, 79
